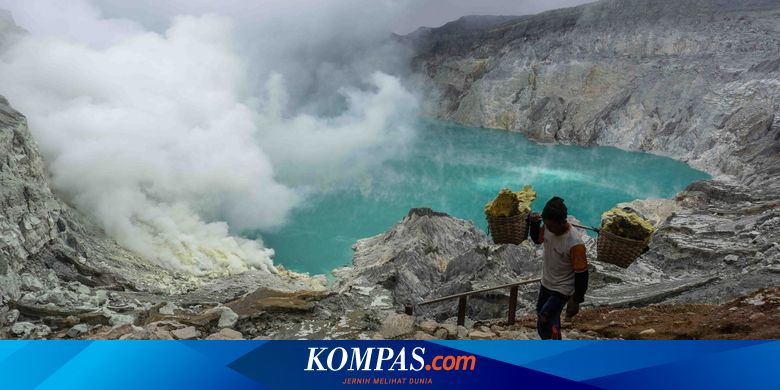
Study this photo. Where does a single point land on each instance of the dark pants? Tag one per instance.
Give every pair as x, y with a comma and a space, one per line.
548, 313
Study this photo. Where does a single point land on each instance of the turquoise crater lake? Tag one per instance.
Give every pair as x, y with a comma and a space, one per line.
457, 170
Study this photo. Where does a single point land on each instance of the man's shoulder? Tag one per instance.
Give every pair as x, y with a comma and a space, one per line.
574, 237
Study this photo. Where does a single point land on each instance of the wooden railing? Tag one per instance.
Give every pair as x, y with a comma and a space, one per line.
463, 299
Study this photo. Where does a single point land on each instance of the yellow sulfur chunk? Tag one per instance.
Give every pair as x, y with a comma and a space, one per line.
525, 197
627, 223
508, 203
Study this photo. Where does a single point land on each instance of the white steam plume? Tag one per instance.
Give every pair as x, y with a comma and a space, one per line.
160, 136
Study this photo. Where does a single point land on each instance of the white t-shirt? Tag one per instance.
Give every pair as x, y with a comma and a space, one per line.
563, 255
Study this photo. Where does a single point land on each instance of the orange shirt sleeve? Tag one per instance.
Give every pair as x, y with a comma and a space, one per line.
578, 259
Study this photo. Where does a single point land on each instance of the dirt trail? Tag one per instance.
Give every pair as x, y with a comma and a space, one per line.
755, 316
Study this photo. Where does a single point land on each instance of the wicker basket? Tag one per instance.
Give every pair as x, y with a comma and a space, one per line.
617, 250
508, 230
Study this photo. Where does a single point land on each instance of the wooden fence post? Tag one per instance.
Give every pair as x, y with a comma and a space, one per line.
512, 304
462, 310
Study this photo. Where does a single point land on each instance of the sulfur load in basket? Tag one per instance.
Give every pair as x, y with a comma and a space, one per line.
507, 215
623, 236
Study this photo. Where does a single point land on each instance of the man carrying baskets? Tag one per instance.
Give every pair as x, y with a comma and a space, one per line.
565, 268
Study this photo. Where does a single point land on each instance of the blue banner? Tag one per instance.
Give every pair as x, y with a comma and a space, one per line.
431, 364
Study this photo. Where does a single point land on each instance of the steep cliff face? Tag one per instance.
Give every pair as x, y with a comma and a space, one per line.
41, 235
697, 80
58, 269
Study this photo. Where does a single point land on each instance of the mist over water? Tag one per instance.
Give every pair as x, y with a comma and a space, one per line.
457, 170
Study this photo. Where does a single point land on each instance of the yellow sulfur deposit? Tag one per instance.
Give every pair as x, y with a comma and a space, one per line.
627, 223
509, 203
525, 197
504, 205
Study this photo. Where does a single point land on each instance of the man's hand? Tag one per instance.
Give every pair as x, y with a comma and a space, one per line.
572, 308
535, 217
